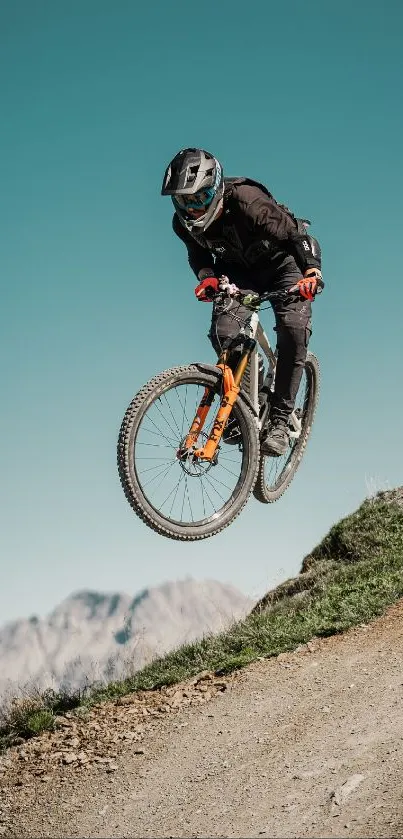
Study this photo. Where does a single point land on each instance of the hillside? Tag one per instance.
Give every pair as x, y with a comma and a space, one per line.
304, 742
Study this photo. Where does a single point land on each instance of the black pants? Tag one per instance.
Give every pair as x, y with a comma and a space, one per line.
293, 328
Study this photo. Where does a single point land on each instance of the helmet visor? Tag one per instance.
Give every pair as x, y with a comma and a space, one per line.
197, 201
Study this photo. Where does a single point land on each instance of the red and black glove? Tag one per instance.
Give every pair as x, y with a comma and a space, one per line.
207, 289
311, 283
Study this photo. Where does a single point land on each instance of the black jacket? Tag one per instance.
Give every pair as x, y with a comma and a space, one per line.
253, 234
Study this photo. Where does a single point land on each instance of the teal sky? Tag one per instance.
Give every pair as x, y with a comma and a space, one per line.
96, 96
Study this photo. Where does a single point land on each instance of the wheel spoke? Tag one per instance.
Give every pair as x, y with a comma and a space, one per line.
150, 458
183, 502
228, 470
213, 487
220, 482
164, 472
175, 491
152, 468
164, 418
202, 491
156, 445
158, 433
205, 490
170, 411
184, 416
188, 497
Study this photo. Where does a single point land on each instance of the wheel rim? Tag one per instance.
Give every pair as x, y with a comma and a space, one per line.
277, 469
181, 490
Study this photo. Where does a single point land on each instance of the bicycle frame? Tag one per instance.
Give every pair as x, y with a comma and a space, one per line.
253, 335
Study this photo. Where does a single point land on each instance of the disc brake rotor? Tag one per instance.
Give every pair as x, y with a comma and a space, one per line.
193, 466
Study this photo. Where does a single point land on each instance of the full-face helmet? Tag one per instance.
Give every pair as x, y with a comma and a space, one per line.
194, 180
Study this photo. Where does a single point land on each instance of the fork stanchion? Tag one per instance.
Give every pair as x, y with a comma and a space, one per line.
200, 418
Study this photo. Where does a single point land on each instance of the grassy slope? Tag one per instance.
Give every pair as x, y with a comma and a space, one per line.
350, 578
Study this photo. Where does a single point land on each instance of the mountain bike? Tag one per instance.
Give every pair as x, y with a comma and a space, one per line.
189, 452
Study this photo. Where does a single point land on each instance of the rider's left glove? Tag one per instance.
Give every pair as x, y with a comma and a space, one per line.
311, 283
207, 289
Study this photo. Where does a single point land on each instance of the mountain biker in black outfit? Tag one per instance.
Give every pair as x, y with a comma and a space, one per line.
235, 227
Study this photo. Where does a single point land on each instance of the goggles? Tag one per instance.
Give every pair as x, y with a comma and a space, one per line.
197, 201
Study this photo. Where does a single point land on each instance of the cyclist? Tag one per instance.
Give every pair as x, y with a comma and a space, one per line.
235, 227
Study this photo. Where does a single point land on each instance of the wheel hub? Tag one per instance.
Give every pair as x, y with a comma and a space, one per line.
193, 466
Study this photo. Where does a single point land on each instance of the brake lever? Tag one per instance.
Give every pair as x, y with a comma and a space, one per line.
226, 286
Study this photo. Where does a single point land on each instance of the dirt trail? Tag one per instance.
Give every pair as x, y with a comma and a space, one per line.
306, 745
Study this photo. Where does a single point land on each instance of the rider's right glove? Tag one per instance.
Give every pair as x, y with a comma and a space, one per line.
207, 289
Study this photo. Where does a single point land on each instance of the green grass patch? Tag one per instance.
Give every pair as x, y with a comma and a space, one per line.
371, 530
350, 578
28, 715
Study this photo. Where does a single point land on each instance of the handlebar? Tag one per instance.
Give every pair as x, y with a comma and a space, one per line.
253, 300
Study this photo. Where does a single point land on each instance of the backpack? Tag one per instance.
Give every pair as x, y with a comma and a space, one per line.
302, 223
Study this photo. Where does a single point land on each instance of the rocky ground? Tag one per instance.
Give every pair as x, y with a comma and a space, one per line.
308, 744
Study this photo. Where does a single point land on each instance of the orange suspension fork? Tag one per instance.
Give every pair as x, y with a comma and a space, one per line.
202, 411
231, 384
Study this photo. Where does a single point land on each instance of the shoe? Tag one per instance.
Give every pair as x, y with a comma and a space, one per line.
277, 441
232, 432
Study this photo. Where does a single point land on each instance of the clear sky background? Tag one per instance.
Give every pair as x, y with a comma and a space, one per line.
96, 96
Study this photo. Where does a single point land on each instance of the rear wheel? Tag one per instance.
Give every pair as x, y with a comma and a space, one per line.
174, 493
276, 473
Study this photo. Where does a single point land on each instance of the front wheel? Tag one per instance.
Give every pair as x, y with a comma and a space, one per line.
178, 496
276, 473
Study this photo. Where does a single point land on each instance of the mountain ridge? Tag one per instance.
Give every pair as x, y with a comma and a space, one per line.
93, 635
